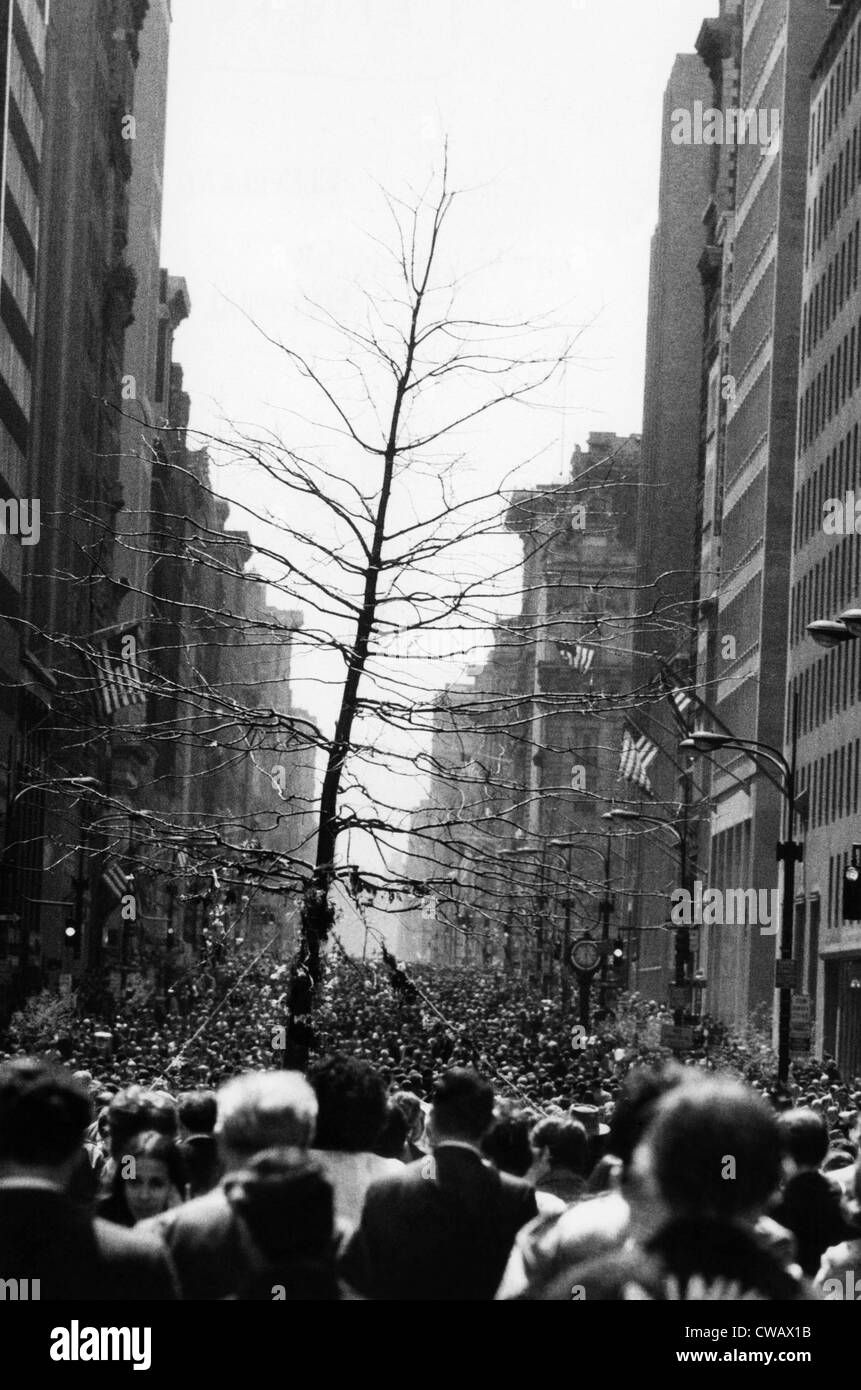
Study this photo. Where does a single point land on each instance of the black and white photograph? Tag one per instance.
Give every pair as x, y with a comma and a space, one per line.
430, 624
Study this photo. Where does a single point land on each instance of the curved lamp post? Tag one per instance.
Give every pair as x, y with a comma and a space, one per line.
788, 851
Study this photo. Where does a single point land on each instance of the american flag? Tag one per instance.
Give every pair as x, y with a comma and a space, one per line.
118, 678
680, 698
638, 752
115, 879
578, 657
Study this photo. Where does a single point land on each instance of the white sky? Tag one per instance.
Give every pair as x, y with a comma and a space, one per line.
285, 115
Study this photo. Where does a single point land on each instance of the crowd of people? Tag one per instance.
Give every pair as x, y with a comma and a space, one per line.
458, 1139
230, 1016
329, 1186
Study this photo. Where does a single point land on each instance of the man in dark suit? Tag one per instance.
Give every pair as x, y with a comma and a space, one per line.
444, 1227
809, 1206
44, 1234
208, 1242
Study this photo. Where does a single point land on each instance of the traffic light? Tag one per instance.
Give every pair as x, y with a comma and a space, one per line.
618, 962
852, 888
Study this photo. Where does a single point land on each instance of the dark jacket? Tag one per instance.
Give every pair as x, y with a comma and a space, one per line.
199, 1154
811, 1209
287, 1210
683, 1249
205, 1243
112, 1207
441, 1229
45, 1235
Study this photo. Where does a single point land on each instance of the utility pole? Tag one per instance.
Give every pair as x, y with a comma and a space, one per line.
566, 941
606, 910
788, 852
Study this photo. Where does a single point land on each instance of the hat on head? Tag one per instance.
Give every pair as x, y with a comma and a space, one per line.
589, 1117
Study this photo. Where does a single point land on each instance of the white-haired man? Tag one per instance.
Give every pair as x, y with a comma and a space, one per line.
210, 1249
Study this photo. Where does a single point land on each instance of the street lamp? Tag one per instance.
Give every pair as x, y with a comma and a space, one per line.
788, 853
833, 632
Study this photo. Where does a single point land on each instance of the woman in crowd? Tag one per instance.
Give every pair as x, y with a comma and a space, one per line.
147, 1179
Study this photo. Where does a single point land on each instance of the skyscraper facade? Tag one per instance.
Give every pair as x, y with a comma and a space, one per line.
780, 42
826, 550
22, 94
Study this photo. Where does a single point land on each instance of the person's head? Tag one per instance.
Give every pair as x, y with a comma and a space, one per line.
841, 1154
197, 1111
506, 1143
462, 1107
263, 1110
393, 1136
561, 1144
43, 1115
133, 1110
635, 1108
164, 1113
411, 1107
804, 1138
285, 1199
351, 1100
713, 1151
148, 1177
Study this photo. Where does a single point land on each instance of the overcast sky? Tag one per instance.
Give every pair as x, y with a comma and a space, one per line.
286, 116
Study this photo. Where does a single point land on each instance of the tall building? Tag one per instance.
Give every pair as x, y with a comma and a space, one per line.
719, 46
22, 69
526, 751
667, 503
80, 72
577, 631
111, 754
22, 77
462, 834
744, 589
826, 553
144, 397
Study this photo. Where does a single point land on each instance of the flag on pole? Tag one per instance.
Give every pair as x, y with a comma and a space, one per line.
577, 656
681, 699
115, 879
638, 753
118, 677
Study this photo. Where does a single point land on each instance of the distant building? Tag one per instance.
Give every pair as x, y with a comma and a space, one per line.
81, 73
146, 362
667, 501
526, 750
106, 770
